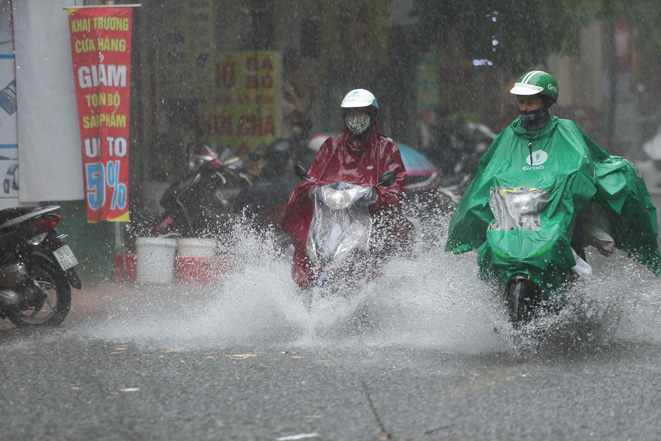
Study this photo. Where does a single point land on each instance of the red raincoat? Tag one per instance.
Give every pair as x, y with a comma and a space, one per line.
342, 158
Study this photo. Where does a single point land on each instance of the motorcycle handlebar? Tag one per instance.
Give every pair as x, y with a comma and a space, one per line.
385, 180
388, 178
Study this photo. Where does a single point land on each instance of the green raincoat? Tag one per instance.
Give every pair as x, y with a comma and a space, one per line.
537, 182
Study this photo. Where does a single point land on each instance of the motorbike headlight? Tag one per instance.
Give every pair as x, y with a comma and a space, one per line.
37, 239
194, 163
337, 199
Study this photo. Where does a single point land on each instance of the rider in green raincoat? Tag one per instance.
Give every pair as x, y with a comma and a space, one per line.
522, 207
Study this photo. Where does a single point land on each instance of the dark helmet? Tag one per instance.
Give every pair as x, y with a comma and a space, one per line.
278, 149
277, 155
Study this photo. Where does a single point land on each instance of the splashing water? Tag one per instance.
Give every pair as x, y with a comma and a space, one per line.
433, 300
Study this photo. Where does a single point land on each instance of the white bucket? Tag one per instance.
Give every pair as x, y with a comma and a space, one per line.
196, 247
155, 260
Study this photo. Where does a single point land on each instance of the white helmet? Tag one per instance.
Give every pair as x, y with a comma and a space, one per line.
315, 141
359, 98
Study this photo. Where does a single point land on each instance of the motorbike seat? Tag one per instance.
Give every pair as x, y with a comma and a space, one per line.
14, 215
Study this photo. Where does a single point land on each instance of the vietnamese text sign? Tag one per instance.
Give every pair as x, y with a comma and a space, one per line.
245, 111
101, 51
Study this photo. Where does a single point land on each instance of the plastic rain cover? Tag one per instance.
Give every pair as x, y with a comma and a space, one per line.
341, 222
517, 208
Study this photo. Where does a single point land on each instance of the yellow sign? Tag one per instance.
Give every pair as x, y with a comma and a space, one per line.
244, 110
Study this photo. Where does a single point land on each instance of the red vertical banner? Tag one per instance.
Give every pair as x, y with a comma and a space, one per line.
101, 52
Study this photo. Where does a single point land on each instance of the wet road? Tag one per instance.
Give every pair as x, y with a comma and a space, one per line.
247, 361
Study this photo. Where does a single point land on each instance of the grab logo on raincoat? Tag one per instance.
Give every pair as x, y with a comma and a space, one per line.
536, 160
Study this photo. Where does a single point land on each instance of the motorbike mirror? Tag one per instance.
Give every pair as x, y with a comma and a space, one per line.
388, 178
199, 155
300, 172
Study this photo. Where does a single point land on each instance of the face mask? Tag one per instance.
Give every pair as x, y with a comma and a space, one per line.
535, 119
357, 124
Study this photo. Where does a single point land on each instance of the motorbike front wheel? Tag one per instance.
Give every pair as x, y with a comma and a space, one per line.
523, 299
50, 293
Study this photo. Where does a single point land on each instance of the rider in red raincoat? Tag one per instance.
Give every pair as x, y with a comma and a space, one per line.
357, 156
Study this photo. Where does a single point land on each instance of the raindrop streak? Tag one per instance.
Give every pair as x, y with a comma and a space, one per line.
433, 301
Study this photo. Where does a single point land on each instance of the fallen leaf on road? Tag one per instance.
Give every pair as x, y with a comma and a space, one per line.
241, 356
129, 389
313, 416
297, 437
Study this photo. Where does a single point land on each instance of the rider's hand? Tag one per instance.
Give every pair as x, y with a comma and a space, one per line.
461, 249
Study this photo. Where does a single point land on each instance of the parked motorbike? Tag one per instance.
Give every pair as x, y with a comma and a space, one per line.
202, 203
340, 234
427, 199
265, 201
36, 268
458, 148
650, 162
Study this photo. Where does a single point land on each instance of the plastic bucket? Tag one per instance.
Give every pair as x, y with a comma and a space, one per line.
202, 270
196, 247
125, 267
155, 260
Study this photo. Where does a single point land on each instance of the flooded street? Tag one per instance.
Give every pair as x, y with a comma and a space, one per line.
186, 134
430, 356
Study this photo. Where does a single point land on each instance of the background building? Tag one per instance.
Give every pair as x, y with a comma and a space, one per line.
243, 74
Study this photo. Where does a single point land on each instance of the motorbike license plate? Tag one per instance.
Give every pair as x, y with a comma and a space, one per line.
65, 257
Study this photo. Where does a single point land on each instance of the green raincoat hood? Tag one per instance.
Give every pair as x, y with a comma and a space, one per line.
547, 177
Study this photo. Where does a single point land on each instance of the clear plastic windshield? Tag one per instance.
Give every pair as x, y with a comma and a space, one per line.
341, 222
517, 207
